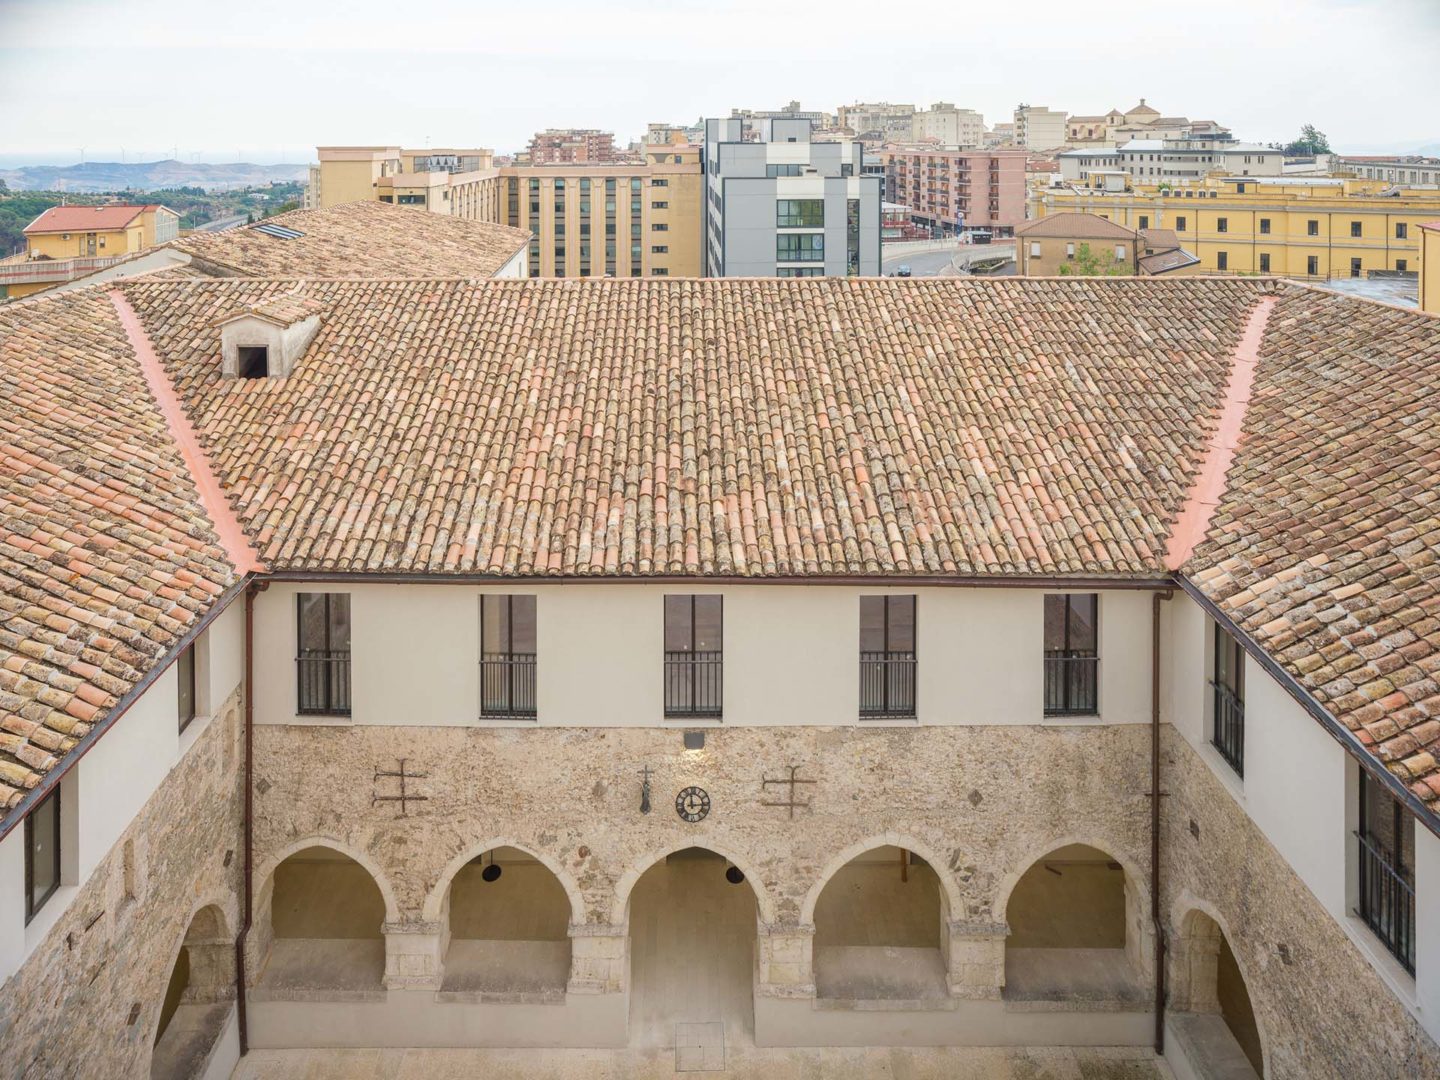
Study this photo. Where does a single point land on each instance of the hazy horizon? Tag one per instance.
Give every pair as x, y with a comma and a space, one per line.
205, 85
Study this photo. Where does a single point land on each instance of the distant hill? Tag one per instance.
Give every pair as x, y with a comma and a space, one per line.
93, 176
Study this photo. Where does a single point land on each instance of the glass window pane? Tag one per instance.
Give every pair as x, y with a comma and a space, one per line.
1083, 637
677, 624
1054, 623
340, 622
901, 618
312, 621
494, 625
872, 624
522, 624
185, 676
707, 624
44, 842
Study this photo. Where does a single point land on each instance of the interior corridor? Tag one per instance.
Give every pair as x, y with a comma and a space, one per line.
692, 951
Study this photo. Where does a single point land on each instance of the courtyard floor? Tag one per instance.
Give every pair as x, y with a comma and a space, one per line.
742, 1063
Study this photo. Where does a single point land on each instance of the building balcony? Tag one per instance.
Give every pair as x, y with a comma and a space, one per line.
27, 271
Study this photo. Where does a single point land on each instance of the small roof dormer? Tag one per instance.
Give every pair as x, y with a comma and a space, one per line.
265, 339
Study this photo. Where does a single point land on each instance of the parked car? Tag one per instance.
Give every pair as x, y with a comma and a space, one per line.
903, 271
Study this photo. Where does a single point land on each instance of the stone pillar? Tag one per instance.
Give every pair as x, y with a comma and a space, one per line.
599, 958
1196, 963
212, 969
786, 961
414, 955
975, 959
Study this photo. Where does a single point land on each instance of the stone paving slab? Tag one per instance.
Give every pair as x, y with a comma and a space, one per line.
742, 1063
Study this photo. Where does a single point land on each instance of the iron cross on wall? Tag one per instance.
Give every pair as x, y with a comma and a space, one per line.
790, 781
405, 796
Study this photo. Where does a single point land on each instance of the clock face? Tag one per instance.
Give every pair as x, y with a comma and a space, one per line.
692, 804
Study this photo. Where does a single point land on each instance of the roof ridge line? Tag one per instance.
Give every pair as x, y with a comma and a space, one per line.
227, 526
1208, 487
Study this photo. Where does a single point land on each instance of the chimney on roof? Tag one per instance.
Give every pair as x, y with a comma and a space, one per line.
265, 340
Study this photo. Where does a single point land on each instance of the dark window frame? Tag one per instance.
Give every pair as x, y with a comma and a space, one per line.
893, 672
516, 670
186, 687
1385, 898
32, 904
693, 684
1072, 694
334, 699
1227, 681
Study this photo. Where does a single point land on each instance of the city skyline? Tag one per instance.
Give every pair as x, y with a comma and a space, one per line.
628, 65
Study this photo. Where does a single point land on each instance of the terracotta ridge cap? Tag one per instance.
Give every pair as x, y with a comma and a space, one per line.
212, 497
1208, 487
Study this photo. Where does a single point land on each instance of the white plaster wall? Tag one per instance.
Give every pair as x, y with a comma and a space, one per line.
124, 768
221, 657
791, 654
12, 902
1295, 786
1427, 929
1184, 651
518, 265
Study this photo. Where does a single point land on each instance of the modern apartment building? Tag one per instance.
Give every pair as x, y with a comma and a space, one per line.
722, 672
572, 146
786, 206
1039, 128
635, 219
66, 243
1290, 226
1430, 267
1156, 160
1407, 171
947, 126
878, 122
753, 120
460, 182
952, 190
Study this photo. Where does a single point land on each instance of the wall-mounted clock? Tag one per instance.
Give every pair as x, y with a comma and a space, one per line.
692, 804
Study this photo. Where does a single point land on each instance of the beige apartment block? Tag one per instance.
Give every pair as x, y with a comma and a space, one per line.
633, 219
1430, 267
460, 182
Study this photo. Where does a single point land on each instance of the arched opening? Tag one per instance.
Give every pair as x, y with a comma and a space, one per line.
693, 920
325, 921
1072, 917
197, 999
1213, 1017
880, 929
508, 924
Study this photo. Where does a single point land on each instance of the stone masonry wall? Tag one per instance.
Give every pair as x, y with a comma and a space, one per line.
1323, 1010
87, 1001
980, 804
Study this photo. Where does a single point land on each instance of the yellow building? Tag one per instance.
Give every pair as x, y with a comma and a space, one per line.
1430, 267
635, 219
1293, 227
66, 242
460, 182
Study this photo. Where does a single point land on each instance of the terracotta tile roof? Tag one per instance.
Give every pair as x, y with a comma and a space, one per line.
1162, 262
63, 219
106, 558
361, 239
282, 310
1326, 546
749, 427
1078, 226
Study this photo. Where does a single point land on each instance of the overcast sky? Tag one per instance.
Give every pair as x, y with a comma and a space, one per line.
267, 80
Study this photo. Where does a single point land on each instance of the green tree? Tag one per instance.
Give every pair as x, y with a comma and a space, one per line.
1312, 141
1091, 263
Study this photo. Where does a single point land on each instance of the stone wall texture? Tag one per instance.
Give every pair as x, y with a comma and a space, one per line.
86, 1003
1323, 1010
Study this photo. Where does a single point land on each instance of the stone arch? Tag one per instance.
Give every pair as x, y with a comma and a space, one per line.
200, 985
949, 891
435, 899
1134, 878
619, 911
1139, 931
266, 877
1193, 956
